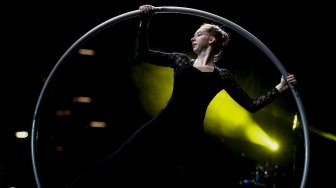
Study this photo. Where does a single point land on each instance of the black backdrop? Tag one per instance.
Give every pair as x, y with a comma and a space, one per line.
35, 36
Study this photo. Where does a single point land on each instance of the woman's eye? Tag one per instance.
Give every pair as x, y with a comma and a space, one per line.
198, 34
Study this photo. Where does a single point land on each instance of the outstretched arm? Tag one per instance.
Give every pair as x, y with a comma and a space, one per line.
243, 99
142, 49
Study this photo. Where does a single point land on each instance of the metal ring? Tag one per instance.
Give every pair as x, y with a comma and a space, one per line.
178, 10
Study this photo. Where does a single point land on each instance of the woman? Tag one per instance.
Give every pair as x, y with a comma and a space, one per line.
170, 148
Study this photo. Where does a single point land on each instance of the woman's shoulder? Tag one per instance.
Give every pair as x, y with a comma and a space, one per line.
180, 55
182, 58
223, 72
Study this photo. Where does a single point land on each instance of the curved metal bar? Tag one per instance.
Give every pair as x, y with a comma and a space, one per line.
178, 10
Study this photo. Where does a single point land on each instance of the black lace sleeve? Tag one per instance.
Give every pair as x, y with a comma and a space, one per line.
241, 97
144, 53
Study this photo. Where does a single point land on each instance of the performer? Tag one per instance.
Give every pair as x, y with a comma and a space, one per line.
170, 148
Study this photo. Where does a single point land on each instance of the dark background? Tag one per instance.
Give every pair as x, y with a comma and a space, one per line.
36, 35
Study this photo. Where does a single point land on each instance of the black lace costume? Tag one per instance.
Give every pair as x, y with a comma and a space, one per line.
171, 143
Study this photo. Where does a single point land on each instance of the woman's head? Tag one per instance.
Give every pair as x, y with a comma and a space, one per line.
220, 36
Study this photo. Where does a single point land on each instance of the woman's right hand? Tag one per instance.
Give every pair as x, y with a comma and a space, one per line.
147, 12
147, 9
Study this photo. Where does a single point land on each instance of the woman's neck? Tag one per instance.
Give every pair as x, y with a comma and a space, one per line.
204, 64
202, 61
205, 58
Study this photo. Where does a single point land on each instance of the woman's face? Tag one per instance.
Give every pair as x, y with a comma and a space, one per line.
200, 40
